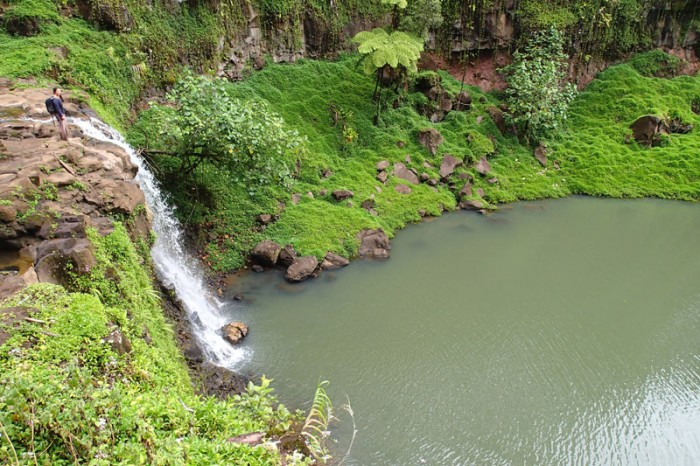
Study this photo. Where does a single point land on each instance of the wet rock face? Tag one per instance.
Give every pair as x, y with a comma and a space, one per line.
301, 269
59, 257
373, 244
235, 331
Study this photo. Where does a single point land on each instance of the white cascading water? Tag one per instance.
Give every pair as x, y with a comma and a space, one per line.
175, 266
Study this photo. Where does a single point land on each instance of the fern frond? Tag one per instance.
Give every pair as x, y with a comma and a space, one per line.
315, 428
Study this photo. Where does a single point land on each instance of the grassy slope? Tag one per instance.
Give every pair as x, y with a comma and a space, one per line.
68, 397
111, 68
592, 154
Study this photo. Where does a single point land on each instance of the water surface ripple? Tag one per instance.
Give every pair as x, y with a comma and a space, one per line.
557, 332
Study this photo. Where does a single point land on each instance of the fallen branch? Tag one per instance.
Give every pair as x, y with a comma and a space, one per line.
65, 165
35, 321
187, 408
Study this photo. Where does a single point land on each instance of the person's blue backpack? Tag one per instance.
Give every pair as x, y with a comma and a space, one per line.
50, 107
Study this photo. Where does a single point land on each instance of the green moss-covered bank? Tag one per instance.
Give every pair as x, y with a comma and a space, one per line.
93, 376
594, 155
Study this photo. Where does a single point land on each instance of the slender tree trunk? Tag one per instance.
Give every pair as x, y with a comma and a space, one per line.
379, 107
376, 85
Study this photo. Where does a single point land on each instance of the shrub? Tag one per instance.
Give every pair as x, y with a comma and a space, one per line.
242, 136
655, 63
538, 98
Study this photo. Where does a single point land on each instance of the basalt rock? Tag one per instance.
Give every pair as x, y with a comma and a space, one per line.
430, 138
647, 130
266, 253
58, 256
541, 155
498, 119
471, 205
404, 173
333, 261
463, 101
448, 165
373, 244
119, 343
342, 194
482, 166
235, 331
403, 189
287, 255
301, 269
383, 165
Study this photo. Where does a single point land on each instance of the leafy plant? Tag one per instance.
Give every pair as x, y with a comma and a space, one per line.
242, 136
316, 425
387, 56
538, 97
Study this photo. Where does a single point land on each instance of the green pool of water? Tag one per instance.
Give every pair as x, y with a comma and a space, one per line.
554, 332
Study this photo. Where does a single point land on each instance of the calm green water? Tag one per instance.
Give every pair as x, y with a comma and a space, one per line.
556, 332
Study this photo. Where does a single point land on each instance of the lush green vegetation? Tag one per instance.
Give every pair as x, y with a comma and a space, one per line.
68, 397
151, 46
205, 124
319, 99
538, 97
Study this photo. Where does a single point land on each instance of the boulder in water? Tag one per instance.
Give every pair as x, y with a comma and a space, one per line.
287, 255
235, 331
301, 269
333, 261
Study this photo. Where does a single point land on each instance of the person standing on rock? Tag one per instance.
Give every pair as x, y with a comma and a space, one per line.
59, 112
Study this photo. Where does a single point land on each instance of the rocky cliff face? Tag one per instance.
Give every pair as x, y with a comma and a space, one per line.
482, 37
52, 192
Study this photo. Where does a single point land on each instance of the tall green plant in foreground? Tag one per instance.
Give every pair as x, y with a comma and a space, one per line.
242, 136
538, 98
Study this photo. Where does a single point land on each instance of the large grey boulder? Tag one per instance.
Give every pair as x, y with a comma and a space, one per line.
266, 253
301, 269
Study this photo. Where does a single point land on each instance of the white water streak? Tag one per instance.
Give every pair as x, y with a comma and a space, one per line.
175, 266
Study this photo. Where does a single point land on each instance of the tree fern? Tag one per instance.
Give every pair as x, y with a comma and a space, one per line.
380, 48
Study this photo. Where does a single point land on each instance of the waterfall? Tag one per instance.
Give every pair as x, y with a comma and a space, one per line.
175, 266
